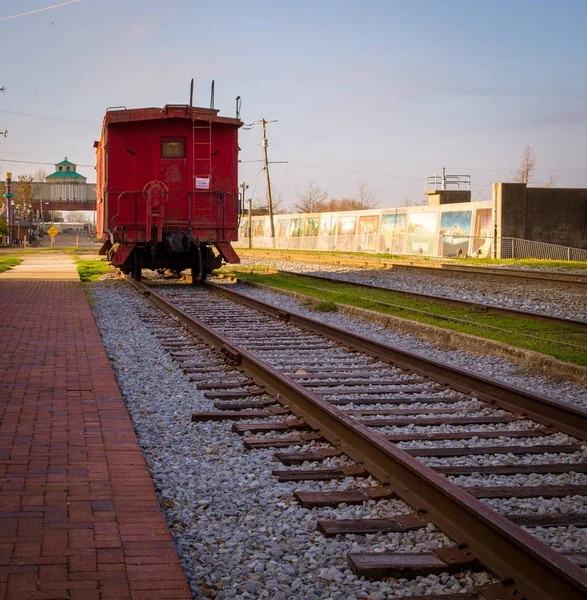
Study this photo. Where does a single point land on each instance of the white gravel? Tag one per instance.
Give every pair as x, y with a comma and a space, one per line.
239, 533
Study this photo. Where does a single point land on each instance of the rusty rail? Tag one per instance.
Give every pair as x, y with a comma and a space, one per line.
539, 573
566, 417
485, 308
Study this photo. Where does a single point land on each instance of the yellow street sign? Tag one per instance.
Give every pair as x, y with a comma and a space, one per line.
52, 231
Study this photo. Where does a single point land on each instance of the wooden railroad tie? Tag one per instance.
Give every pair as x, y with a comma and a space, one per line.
377, 565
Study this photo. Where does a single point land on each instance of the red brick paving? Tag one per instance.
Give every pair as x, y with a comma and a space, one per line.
79, 518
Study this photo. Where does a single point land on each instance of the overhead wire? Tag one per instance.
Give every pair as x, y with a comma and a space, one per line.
46, 118
354, 171
33, 162
31, 12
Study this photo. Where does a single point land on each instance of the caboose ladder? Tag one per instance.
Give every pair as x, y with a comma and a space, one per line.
202, 150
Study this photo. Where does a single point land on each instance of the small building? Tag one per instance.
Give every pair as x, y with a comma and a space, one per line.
66, 184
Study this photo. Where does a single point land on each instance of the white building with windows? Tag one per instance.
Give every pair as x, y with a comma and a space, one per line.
66, 184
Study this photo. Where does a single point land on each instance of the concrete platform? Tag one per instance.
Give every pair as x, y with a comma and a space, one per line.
43, 267
79, 517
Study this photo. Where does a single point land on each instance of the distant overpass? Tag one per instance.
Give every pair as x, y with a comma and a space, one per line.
65, 205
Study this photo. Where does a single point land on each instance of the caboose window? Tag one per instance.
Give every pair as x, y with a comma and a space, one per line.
173, 148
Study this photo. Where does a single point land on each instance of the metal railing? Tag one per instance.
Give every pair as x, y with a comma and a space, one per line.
437, 246
447, 182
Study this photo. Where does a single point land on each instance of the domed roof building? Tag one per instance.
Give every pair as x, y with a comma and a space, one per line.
66, 184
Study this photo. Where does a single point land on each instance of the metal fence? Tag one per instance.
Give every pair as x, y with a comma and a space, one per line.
413, 244
517, 248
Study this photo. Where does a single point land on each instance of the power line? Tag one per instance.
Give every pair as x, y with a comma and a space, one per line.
255, 177
256, 182
31, 12
32, 162
44, 153
45, 118
353, 171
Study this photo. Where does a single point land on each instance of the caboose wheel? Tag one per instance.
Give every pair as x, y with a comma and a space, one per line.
199, 271
137, 266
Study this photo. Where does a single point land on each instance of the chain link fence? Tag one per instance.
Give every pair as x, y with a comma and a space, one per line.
436, 246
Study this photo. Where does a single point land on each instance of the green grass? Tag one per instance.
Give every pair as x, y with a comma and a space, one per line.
547, 265
92, 270
6, 262
547, 338
326, 306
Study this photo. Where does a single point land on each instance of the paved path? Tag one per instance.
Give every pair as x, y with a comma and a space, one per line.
79, 518
47, 266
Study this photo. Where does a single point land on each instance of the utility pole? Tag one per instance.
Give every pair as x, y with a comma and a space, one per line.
250, 223
243, 186
269, 200
264, 144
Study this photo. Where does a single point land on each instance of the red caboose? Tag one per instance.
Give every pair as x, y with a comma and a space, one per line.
167, 189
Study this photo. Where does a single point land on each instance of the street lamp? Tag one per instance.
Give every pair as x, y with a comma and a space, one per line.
9, 195
30, 220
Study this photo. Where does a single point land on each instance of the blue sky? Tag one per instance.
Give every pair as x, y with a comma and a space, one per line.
382, 90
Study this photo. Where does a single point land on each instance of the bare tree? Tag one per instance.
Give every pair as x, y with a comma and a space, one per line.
365, 198
408, 202
338, 204
23, 190
312, 200
39, 175
260, 205
38, 178
526, 171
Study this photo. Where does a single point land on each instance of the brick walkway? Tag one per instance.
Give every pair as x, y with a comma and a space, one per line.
79, 518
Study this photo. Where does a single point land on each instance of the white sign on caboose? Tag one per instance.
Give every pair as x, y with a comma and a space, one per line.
202, 183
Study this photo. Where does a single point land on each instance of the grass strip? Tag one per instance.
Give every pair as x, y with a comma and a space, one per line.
7, 262
92, 269
516, 331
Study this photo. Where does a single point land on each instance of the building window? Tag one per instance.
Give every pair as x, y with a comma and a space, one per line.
61, 168
172, 147
67, 169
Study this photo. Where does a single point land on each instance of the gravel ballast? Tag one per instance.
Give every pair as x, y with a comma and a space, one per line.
238, 531
489, 366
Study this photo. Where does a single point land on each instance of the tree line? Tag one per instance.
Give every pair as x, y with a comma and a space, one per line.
315, 199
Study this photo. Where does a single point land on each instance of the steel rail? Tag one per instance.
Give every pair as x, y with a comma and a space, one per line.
566, 417
546, 276
539, 573
485, 308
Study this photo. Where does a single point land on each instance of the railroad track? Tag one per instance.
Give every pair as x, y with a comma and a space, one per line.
438, 267
477, 306
427, 432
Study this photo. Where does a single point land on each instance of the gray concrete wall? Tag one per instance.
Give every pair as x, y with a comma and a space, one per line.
438, 197
550, 215
556, 214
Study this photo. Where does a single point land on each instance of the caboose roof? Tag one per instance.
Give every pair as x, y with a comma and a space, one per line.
169, 111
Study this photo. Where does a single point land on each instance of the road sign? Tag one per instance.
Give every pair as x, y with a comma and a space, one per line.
52, 231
